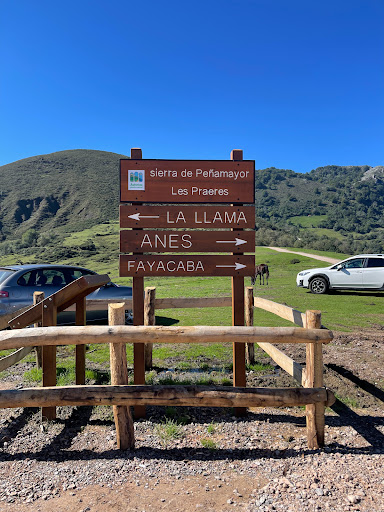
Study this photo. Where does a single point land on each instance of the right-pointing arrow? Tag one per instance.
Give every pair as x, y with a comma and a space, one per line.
236, 266
236, 241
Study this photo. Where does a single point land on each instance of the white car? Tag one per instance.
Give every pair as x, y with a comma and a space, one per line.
362, 272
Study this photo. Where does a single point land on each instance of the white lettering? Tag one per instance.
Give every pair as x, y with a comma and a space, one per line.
171, 266
229, 219
241, 217
172, 241
217, 217
200, 266
146, 240
180, 266
180, 217
162, 243
187, 241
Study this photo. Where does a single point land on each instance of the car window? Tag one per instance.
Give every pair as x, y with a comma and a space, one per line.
36, 278
372, 262
357, 263
75, 273
4, 274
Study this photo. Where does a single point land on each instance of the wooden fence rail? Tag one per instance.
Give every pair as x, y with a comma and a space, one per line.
313, 395
193, 396
82, 335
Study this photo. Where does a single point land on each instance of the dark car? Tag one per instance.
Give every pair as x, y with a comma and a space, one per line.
19, 282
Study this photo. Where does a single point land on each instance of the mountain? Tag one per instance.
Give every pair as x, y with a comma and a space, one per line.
68, 189
331, 207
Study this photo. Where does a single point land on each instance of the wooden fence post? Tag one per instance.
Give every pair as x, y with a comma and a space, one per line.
314, 379
149, 319
249, 347
81, 319
49, 319
125, 433
38, 297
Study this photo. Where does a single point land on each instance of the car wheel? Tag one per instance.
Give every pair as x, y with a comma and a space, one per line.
128, 317
318, 285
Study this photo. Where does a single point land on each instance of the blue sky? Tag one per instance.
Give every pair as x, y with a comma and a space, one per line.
295, 84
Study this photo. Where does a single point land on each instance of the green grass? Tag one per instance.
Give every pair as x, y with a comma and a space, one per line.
307, 221
168, 431
208, 443
344, 310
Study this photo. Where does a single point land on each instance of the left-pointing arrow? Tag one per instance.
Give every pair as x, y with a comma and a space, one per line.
236, 241
137, 216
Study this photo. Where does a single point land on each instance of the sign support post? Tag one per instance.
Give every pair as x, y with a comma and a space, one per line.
138, 319
239, 373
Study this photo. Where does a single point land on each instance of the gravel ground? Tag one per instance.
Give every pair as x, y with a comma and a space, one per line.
206, 458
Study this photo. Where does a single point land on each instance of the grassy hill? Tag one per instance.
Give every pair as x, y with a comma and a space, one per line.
42, 198
67, 190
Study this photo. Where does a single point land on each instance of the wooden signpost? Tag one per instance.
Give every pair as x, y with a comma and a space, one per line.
186, 216
187, 181
186, 241
178, 222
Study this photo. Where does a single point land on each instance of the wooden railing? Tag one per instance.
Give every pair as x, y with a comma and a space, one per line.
313, 393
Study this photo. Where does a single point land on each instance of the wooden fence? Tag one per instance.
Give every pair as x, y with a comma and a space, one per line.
312, 394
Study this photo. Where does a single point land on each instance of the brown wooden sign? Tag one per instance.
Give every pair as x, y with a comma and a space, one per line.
187, 181
183, 265
186, 241
187, 216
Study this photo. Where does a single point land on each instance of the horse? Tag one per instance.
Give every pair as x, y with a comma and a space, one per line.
260, 270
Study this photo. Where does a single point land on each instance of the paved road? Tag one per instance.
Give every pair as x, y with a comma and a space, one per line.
314, 256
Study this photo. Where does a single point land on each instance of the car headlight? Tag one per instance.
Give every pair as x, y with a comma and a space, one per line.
304, 273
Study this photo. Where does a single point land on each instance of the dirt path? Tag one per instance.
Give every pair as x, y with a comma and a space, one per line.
314, 256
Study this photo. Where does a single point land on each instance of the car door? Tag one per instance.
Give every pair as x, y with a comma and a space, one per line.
349, 274
373, 273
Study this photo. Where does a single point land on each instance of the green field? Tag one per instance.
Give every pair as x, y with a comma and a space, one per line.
341, 311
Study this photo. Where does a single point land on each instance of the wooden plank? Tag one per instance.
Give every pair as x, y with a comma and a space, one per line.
186, 216
62, 299
158, 241
194, 302
125, 433
49, 319
183, 265
290, 314
80, 349
37, 298
285, 362
171, 303
193, 396
249, 347
187, 181
11, 359
315, 414
149, 319
4, 319
78, 335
